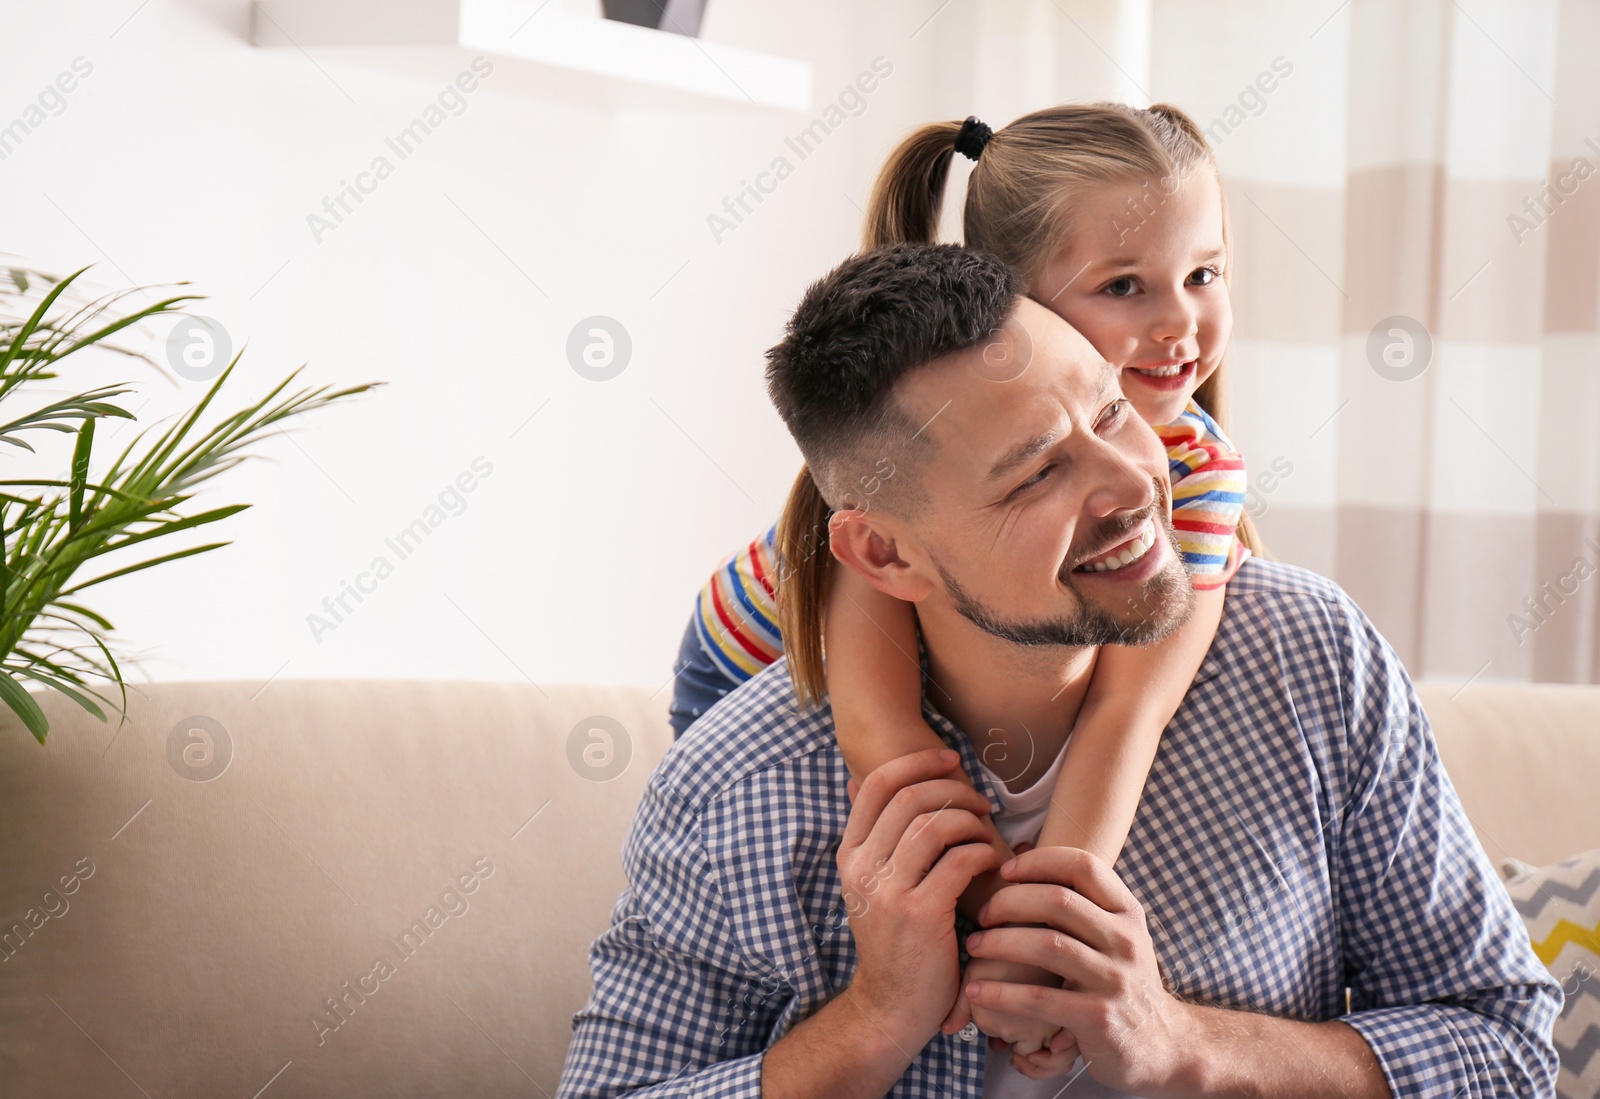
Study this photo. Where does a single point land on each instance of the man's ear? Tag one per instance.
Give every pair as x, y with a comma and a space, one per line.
866, 542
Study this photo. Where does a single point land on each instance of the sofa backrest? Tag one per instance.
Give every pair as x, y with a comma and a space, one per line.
389, 887
1526, 761
372, 888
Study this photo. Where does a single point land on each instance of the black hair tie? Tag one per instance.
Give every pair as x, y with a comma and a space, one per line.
973, 136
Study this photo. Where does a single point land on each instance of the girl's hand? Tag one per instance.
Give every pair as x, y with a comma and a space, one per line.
1024, 1035
1056, 1059
961, 1011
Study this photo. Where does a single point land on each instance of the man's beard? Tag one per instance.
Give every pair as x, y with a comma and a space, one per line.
1160, 605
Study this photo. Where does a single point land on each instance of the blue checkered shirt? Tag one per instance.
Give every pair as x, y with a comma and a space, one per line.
1297, 837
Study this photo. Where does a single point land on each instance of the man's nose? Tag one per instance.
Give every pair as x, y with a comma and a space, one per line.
1123, 482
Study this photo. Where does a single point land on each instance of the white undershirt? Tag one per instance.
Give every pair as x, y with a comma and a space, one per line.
1020, 818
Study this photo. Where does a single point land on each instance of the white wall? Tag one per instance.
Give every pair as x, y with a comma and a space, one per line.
189, 154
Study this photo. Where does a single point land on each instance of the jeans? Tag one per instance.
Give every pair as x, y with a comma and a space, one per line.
698, 684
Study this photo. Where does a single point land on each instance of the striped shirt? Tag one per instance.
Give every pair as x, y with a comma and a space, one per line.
1208, 490
1297, 837
736, 614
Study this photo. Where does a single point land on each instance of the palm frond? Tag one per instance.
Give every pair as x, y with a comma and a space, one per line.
54, 529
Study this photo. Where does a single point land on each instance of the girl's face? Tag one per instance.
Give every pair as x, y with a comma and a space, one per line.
1141, 278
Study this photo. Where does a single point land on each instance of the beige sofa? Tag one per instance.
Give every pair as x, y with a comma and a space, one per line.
388, 888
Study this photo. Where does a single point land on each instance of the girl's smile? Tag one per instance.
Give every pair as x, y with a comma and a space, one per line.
1165, 377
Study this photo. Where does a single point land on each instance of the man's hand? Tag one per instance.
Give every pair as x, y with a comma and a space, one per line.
913, 843
1128, 1028
1023, 1034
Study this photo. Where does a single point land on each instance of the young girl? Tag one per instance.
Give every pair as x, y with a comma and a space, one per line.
1115, 217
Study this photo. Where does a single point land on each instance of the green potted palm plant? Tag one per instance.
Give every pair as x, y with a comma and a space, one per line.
65, 535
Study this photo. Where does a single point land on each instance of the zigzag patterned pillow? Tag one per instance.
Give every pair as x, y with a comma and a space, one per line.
1561, 906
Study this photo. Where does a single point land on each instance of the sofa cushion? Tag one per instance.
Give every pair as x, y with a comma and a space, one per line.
1561, 906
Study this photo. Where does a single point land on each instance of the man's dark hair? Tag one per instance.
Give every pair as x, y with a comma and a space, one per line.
857, 331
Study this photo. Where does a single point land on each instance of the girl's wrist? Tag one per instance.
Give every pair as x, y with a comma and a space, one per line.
978, 892
988, 883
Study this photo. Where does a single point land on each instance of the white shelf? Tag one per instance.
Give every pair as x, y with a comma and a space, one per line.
542, 34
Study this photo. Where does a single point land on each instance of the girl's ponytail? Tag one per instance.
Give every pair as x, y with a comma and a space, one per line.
909, 193
805, 563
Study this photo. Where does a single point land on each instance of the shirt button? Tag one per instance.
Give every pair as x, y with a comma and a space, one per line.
968, 1033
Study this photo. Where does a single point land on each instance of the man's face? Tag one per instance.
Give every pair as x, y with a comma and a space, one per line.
1048, 521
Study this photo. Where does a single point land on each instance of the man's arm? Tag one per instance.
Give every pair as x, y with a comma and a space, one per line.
1070, 913
842, 1050
631, 1047
1445, 985
678, 1007
912, 845
1450, 999
1240, 1053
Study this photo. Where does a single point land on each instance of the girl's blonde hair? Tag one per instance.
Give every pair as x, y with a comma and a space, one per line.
1019, 206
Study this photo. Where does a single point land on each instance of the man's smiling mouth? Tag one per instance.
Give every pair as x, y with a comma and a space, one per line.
1123, 553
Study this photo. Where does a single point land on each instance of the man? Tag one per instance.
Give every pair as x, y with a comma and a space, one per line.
786, 934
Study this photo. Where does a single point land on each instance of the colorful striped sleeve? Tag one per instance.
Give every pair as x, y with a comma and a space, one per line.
1208, 490
736, 614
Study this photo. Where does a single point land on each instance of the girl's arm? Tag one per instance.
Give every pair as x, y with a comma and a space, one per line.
1134, 693
875, 687
874, 675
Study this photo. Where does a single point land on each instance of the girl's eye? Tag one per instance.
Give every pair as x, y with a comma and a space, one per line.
1120, 288
1205, 276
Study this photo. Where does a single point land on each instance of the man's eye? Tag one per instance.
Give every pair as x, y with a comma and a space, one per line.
1113, 414
1120, 288
1037, 479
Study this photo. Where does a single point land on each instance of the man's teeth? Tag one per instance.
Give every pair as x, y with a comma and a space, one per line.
1138, 549
1163, 371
